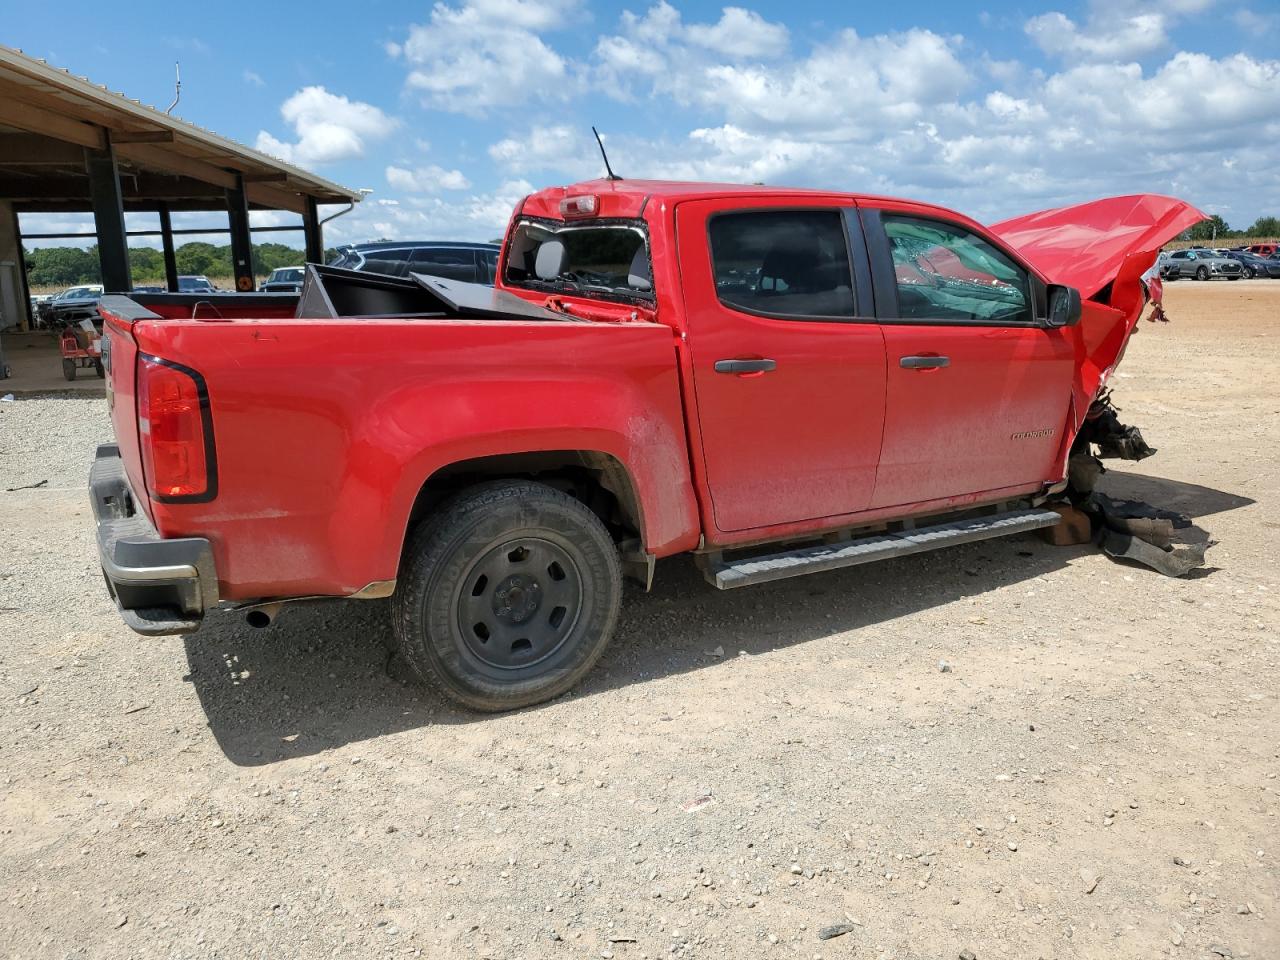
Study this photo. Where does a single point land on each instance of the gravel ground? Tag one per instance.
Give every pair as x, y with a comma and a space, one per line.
1095, 776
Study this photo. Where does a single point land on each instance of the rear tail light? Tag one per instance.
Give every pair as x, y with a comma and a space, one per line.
176, 432
572, 208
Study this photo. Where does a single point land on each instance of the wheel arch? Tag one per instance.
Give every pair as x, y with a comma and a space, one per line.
598, 479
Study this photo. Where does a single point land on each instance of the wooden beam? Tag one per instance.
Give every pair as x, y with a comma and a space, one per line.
275, 176
276, 198
170, 161
35, 150
142, 136
15, 113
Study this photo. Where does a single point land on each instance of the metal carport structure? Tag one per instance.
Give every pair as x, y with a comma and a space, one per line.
68, 145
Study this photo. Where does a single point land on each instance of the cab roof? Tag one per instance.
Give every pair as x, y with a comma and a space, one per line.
626, 198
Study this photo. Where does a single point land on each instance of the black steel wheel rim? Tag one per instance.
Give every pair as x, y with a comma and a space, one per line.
519, 602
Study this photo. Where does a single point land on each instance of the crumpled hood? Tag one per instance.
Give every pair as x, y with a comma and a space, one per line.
1085, 245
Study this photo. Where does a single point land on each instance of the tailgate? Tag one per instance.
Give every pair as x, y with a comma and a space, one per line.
119, 360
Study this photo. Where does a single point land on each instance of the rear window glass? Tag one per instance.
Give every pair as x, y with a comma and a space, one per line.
789, 263
609, 260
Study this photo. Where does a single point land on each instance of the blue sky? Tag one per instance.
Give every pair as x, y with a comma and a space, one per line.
449, 112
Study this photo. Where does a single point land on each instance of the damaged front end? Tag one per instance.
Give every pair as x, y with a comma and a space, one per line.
1107, 249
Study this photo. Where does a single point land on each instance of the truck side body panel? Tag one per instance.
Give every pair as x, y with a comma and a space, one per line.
327, 430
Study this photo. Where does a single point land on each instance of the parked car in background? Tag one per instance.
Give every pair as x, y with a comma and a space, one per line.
470, 262
1202, 265
72, 304
196, 283
149, 288
284, 280
1263, 249
1254, 265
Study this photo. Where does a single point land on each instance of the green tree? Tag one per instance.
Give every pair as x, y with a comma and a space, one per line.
203, 258
1265, 227
64, 266
1211, 229
146, 264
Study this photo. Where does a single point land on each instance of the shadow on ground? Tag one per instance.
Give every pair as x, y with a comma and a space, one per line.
321, 676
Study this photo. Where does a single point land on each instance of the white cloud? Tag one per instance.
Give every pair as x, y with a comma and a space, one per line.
1113, 30
253, 78
329, 128
487, 53
915, 113
570, 152
428, 179
847, 84
1112, 38
479, 216
741, 34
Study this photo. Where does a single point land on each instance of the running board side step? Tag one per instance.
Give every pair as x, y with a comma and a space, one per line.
881, 546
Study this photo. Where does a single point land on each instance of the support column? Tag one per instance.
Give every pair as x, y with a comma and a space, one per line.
15, 306
166, 242
313, 232
15, 303
108, 218
241, 239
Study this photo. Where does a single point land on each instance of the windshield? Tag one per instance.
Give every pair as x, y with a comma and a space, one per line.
77, 293
609, 259
286, 275
194, 284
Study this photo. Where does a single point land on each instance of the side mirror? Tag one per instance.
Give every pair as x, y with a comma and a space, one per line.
1064, 306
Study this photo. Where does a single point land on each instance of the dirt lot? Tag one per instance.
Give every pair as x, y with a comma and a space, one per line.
1095, 777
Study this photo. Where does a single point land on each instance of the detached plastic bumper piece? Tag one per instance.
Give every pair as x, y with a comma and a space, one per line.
160, 586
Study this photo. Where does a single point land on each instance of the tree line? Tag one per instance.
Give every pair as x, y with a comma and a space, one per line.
67, 266
1217, 228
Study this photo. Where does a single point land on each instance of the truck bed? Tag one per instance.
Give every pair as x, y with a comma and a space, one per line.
326, 429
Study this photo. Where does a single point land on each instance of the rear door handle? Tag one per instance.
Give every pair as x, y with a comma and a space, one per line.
746, 366
924, 363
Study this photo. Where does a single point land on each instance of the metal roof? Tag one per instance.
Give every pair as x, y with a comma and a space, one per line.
52, 108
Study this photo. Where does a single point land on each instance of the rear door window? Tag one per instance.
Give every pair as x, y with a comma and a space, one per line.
947, 273
390, 262
783, 263
453, 264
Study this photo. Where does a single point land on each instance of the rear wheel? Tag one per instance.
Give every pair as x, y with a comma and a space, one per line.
68, 369
507, 595
1202, 273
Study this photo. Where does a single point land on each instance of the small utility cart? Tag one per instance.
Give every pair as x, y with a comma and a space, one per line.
81, 348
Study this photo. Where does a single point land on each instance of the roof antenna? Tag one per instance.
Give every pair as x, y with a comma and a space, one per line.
609, 169
177, 88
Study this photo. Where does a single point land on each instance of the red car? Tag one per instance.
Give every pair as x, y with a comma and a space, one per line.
778, 380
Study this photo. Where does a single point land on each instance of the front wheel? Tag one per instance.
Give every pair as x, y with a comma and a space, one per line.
507, 596
68, 369
1202, 273
1248, 273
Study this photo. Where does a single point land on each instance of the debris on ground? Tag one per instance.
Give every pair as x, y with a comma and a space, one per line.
835, 930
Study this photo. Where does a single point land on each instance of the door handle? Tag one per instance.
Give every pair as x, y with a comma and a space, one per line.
924, 363
746, 366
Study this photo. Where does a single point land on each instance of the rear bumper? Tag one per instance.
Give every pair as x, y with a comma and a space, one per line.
160, 586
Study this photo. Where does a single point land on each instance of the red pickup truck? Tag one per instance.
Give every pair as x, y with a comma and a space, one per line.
781, 381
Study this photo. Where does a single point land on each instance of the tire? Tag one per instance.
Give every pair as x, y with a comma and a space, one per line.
1248, 273
68, 369
98, 369
507, 595
1202, 273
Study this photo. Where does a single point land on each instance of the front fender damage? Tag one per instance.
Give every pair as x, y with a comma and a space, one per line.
1107, 250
